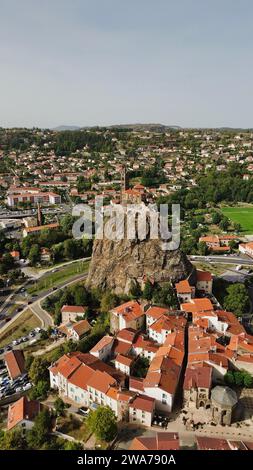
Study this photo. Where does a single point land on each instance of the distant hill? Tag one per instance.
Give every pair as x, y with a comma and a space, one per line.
135, 127
145, 127
66, 128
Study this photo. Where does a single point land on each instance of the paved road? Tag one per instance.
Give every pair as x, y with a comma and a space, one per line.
41, 275
223, 259
60, 209
45, 318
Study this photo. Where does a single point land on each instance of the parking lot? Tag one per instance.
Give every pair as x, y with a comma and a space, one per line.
31, 338
9, 387
160, 420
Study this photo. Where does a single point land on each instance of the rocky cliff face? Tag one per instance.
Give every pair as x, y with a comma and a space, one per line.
115, 265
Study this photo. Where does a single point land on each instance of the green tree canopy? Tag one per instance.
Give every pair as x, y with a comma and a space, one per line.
102, 422
237, 299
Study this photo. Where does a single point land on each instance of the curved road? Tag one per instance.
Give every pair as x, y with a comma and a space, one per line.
45, 318
230, 259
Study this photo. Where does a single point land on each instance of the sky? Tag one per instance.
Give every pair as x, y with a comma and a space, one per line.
103, 62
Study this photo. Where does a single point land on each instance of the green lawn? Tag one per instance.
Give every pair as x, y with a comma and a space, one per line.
55, 279
74, 427
241, 215
26, 322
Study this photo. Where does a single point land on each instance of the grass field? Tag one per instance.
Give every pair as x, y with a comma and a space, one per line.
55, 279
74, 427
26, 322
241, 215
215, 269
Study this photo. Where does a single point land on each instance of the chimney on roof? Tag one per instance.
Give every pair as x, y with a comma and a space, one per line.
39, 215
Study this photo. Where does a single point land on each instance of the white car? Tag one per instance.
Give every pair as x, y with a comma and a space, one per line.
84, 412
27, 386
32, 341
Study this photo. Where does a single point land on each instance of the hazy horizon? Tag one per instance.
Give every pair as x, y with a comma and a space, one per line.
94, 63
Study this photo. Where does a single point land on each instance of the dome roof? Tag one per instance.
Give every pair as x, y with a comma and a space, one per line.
224, 396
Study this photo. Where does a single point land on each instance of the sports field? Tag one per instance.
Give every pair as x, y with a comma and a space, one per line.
241, 215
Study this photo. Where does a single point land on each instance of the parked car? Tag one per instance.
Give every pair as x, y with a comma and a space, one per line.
27, 386
84, 411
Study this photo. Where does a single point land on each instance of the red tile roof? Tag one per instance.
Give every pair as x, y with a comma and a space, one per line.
136, 384
81, 376
15, 363
41, 227
126, 361
81, 327
183, 287
20, 410
105, 341
143, 403
198, 377
101, 381
156, 312
211, 443
203, 276
161, 441
198, 305
129, 310
73, 309
121, 347
127, 335
168, 323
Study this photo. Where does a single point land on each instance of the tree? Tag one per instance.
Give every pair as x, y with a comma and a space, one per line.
39, 370
39, 391
59, 406
237, 299
216, 218
148, 290
193, 224
58, 252
135, 290
13, 440
140, 367
229, 378
44, 334
7, 263
165, 296
237, 227
34, 254
81, 296
203, 249
238, 376
233, 244
224, 224
39, 434
69, 248
102, 422
108, 301
70, 445
67, 222
248, 380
